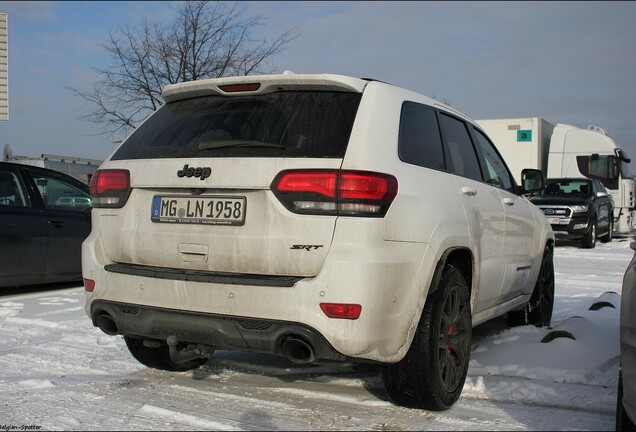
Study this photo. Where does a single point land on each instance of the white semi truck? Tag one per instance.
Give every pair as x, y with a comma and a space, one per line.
565, 151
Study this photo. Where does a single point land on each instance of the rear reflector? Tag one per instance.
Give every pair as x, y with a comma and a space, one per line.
341, 311
335, 192
89, 285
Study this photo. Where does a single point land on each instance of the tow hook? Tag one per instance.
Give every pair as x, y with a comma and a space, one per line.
191, 352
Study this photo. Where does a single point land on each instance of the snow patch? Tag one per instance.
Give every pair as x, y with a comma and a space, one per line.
32, 322
10, 309
185, 419
36, 384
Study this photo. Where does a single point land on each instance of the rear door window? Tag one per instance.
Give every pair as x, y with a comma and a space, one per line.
420, 142
282, 124
12, 193
58, 194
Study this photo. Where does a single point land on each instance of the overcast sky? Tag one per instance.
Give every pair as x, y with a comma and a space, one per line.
568, 62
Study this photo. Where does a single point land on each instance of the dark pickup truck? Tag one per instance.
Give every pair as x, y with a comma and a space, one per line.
577, 209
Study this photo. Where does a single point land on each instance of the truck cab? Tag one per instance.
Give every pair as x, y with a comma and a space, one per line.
577, 152
613, 171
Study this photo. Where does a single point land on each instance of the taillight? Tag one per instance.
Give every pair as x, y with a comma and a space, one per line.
110, 188
312, 182
341, 311
335, 192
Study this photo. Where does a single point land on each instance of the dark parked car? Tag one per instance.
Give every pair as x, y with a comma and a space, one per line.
577, 209
44, 218
626, 401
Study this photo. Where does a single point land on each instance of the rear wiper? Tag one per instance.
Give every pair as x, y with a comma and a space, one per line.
238, 143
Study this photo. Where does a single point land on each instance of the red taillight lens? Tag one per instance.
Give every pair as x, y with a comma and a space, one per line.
341, 311
105, 180
335, 192
364, 187
89, 285
321, 183
110, 187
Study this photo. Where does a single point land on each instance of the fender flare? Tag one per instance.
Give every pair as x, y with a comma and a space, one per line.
441, 264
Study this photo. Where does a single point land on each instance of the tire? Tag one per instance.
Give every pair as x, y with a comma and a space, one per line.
610, 233
538, 311
623, 422
159, 357
432, 374
589, 240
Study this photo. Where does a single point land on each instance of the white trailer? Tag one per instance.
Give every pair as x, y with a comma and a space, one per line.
565, 151
80, 168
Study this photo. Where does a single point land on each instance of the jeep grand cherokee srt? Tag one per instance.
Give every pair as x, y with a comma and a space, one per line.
316, 217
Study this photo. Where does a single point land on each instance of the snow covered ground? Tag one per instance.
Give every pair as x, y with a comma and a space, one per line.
60, 373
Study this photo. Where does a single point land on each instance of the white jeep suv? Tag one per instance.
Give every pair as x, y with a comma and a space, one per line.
316, 217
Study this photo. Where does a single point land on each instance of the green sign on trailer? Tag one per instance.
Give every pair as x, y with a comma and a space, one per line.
524, 135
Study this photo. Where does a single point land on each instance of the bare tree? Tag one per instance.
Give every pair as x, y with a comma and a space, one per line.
205, 40
442, 99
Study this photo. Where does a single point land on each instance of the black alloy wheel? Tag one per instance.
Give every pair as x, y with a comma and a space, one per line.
538, 311
589, 239
432, 373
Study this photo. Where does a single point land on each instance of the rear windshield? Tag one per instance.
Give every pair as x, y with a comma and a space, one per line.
282, 124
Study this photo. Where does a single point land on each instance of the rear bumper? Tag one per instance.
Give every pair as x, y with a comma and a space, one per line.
221, 332
388, 279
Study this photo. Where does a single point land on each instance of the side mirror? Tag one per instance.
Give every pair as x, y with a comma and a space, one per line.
532, 180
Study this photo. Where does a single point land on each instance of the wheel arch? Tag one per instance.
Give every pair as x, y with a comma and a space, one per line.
462, 259
418, 380
550, 245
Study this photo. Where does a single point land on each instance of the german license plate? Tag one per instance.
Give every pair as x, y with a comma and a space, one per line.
554, 220
210, 210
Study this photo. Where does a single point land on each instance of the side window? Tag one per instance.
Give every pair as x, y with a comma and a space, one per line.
60, 195
497, 173
419, 142
463, 159
12, 193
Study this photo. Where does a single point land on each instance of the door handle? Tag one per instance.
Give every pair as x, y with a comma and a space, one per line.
57, 224
466, 190
509, 201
